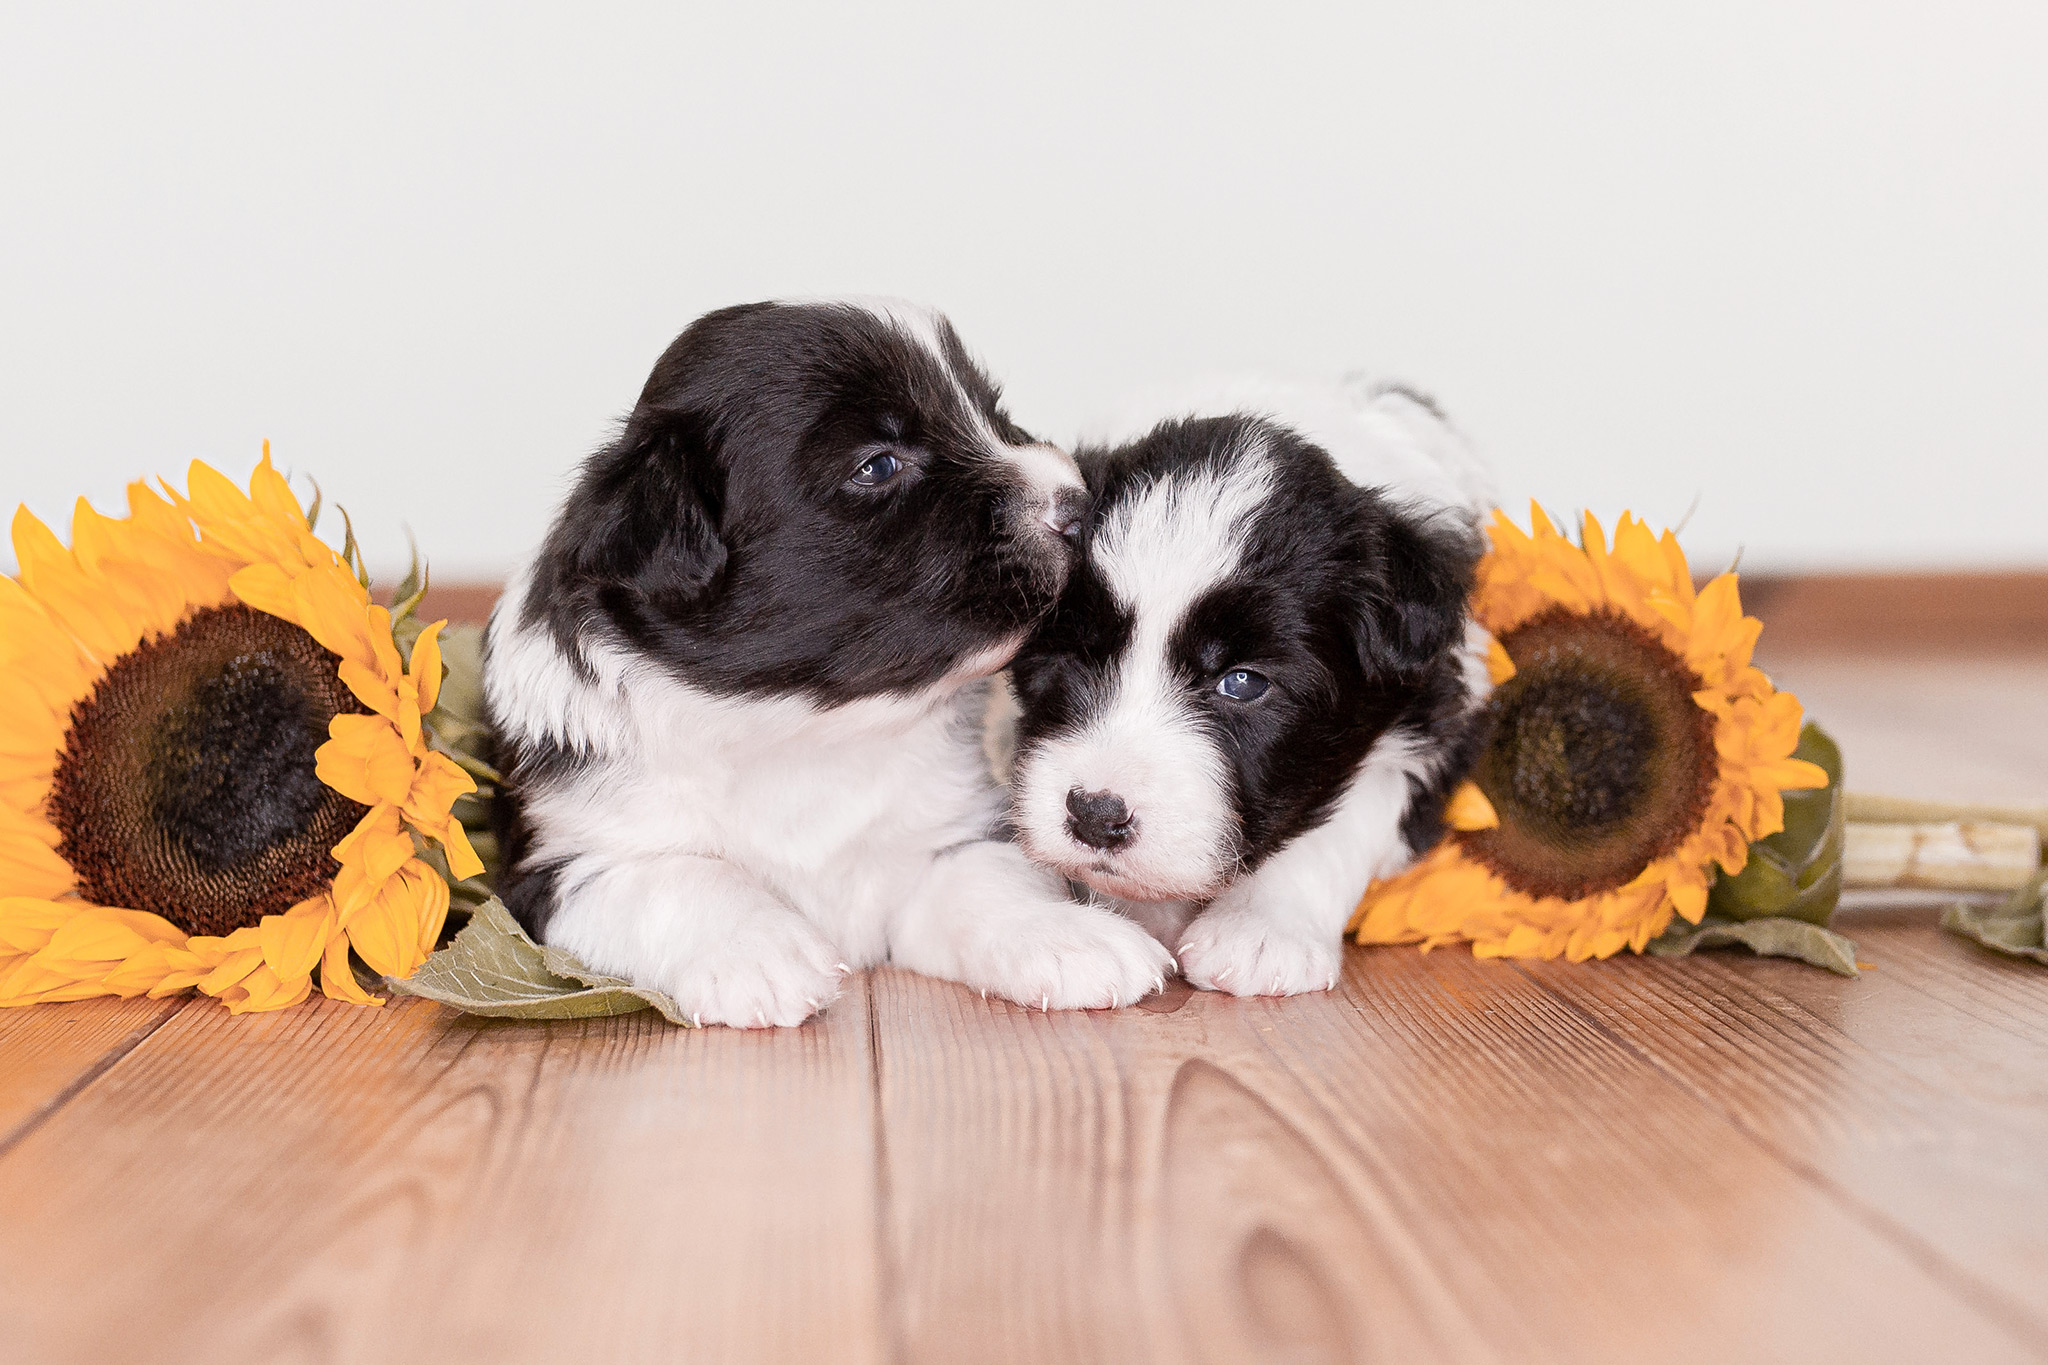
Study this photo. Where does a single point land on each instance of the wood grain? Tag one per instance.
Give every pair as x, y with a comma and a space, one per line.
1440, 1160
404, 1184
49, 1052
1915, 1096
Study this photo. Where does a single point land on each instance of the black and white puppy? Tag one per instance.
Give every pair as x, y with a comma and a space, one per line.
1257, 690
739, 689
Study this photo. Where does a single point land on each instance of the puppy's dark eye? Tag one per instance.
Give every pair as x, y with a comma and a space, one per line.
877, 469
1241, 684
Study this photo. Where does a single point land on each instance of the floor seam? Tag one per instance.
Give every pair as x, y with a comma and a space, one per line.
1987, 1299
886, 1275
78, 1084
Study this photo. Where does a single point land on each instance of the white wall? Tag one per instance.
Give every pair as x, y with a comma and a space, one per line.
1787, 260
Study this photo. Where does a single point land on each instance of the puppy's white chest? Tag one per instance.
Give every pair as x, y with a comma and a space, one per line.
840, 814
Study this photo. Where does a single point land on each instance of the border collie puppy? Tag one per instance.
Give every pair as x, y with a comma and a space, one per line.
1256, 691
738, 691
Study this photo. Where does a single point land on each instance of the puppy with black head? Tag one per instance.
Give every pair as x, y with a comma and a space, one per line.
1257, 689
739, 690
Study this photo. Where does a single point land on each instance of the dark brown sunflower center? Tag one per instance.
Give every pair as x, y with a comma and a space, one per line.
1598, 761
186, 786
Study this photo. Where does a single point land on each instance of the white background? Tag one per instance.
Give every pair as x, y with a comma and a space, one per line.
1789, 261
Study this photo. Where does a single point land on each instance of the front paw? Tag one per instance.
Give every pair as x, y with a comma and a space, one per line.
771, 972
1076, 957
1243, 952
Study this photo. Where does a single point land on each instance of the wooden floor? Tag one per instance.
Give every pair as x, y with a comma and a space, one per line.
1713, 1159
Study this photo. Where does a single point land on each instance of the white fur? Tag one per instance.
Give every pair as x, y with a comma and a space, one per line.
1380, 436
1277, 930
743, 854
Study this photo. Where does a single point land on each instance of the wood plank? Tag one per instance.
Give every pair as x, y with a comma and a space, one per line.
1977, 612
1441, 1160
49, 1052
1916, 1095
406, 1184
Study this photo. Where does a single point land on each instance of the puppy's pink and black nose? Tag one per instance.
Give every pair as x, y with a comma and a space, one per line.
1099, 819
1069, 509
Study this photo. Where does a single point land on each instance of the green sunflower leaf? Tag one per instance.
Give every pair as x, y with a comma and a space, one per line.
1795, 874
1798, 938
2014, 927
492, 968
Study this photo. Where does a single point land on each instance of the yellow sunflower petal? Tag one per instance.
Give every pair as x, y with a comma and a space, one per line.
294, 941
103, 934
1792, 774
40, 654
462, 860
27, 922
435, 786
327, 611
267, 588
1469, 809
365, 761
232, 970
377, 847
50, 573
426, 665
1499, 667
264, 989
338, 980
158, 970
1688, 891
29, 867
389, 933
269, 492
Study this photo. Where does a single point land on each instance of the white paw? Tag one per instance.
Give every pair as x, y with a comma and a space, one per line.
1074, 957
1243, 952
772, 971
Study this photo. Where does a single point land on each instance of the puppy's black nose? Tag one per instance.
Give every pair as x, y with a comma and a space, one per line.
1099, 819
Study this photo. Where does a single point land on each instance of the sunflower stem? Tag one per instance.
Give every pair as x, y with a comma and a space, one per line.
475, 767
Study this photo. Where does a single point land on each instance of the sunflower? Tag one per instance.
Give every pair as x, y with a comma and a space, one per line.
1632, 747
214, 773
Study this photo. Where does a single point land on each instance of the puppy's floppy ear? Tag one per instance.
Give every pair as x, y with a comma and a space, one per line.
648, 513
1416, 589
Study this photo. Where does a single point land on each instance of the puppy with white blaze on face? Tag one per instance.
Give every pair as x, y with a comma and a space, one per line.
1260, 684
739, 690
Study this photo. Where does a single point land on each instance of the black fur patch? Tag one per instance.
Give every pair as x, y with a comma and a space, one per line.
719, 535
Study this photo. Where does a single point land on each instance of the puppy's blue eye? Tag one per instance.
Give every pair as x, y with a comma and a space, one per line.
1241, 684
877, 470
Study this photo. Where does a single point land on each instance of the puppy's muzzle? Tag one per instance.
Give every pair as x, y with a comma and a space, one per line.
1064, 515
